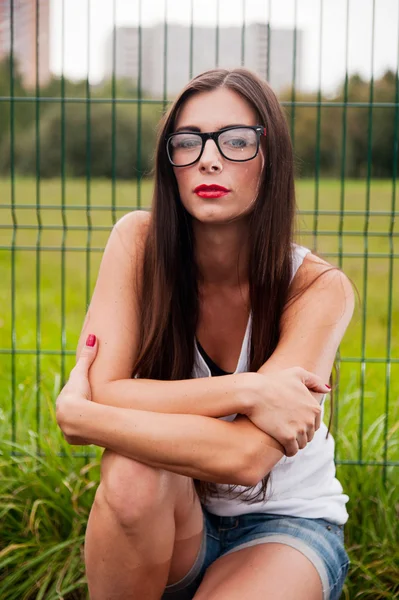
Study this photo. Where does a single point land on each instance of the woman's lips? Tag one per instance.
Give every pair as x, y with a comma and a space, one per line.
211, 191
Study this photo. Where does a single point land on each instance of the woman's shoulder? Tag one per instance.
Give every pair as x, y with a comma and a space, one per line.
303, 255
132, 229
135, 222
312, 268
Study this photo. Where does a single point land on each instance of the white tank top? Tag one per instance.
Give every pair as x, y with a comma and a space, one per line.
303, 485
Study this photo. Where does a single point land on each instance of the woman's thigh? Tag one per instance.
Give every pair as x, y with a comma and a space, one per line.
274, 556
266, 556
269, 571
189, 522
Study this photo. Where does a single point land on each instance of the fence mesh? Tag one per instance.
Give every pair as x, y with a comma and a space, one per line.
53, 228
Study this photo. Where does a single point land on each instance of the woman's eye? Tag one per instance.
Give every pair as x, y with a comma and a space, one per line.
236, 143
187, 144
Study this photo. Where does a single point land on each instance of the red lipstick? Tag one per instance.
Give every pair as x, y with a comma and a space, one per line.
211, 191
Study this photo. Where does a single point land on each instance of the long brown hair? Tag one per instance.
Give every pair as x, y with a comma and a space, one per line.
169, 305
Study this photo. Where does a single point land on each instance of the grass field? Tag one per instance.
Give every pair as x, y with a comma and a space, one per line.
43, 509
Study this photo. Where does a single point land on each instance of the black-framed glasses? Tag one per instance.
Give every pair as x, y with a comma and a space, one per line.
238, 143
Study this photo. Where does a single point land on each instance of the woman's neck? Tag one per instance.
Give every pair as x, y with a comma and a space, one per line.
222, 253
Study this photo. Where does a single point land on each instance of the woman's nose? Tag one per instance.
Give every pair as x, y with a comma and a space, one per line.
211, 159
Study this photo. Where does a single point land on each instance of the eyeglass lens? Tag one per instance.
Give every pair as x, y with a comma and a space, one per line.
234, 144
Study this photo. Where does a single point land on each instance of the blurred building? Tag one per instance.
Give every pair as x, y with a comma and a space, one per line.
158, 77
23, 29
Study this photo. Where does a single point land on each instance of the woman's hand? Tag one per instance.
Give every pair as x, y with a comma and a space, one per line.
76, 392
285, 408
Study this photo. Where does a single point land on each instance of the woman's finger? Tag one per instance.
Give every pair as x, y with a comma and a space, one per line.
314, 382
291, 447
310, 434
302, 440
86, 358
317, 421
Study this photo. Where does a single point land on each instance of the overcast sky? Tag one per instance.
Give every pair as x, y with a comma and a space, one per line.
282, 14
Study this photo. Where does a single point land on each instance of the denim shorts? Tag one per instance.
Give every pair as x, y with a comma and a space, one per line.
319, 540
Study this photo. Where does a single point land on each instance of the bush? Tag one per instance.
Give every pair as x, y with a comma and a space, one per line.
91, 144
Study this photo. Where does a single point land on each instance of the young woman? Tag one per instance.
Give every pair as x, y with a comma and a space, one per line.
213, 487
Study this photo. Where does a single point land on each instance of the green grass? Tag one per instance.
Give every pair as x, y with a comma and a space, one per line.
44, 505
33, 523
45, 502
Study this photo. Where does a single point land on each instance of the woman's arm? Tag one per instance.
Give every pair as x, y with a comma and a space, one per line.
312, 328
206, 396
199, 447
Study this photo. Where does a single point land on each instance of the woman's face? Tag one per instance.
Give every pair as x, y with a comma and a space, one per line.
207, 112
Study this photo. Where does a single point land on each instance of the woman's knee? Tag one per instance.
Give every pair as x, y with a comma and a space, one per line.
132, 490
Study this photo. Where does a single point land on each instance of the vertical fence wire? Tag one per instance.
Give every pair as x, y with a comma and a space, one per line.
14, 233
391, 266
139, 109
39, 227
343, 144
342, 199
293, 84
366, 244
191, 57
217, 34
89, 224
63, 197
318, 134
113, 114
268, 31
243, 33
165, 55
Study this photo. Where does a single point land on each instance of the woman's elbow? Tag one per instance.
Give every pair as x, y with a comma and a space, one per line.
259, 462
252, 475
231, 466
101, 392
258, 452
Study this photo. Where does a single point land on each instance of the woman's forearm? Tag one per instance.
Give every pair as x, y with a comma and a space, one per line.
208, 396
195, 446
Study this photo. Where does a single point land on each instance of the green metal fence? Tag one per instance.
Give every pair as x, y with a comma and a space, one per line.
53, 231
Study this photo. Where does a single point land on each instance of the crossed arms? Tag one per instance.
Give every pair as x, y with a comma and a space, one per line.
171, 424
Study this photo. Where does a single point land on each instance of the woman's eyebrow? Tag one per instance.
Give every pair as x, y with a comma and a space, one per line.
198, 129
188, 128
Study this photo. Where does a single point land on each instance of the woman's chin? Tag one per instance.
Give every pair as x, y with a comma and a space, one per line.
214, 217
217, 215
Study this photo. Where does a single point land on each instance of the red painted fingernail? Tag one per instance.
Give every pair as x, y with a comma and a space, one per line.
91, 340
327, 386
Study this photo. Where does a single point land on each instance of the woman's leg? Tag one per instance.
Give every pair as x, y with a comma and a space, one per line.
263, 572
144, 530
